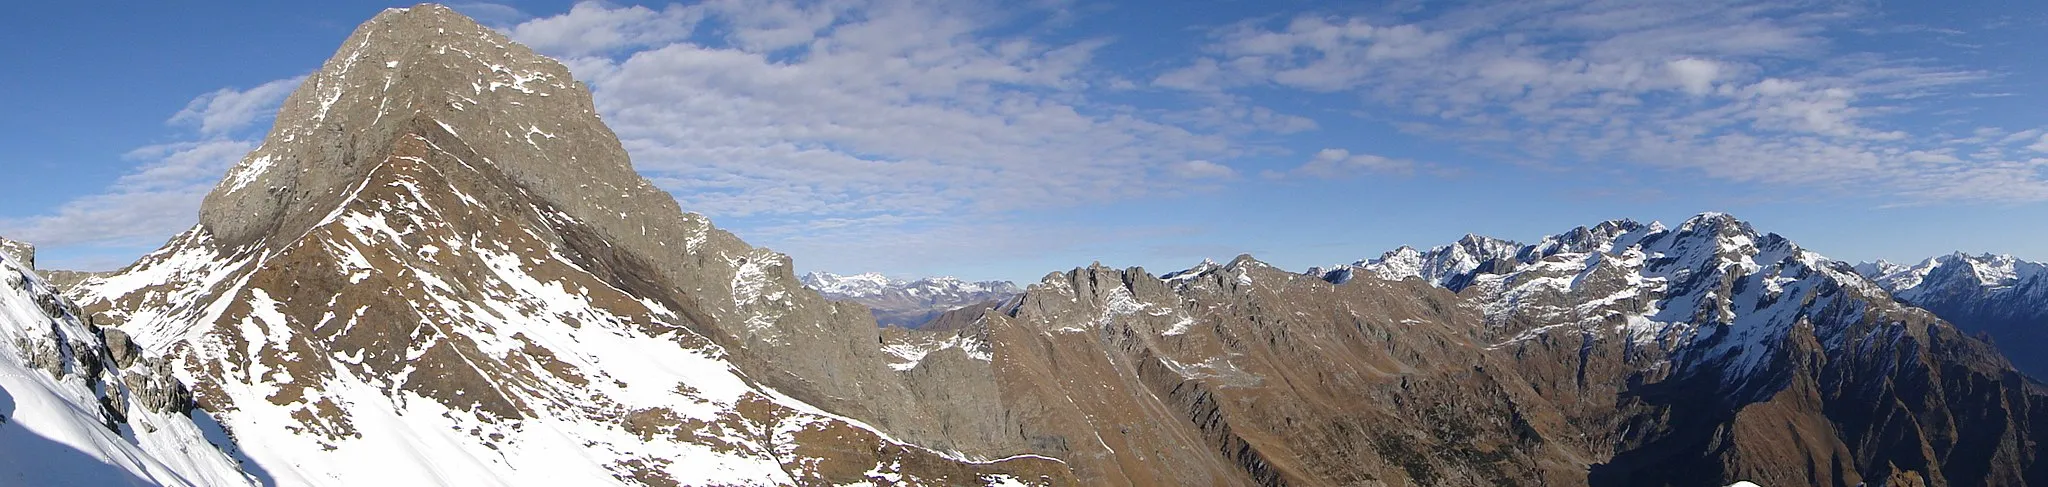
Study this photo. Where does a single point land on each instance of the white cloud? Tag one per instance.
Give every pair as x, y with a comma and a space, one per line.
1696, 76
228, 109
770, 26
1200, 76
1341, 164
2039, 145
1199, 169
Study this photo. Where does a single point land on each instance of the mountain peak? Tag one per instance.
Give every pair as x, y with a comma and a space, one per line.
439, 244
1717, 222
432, 73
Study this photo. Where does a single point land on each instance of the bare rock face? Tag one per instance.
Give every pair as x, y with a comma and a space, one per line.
441, 265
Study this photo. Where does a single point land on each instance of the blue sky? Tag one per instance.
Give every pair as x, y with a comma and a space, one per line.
1010, 139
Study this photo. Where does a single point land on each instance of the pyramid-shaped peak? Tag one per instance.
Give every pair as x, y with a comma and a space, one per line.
471, 93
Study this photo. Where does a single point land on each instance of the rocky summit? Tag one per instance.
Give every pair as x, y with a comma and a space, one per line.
441, 268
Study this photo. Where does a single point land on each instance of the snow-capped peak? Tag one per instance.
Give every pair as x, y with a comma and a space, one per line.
1712, 282
1442, 265
1956, 269
1998, 295
865, 284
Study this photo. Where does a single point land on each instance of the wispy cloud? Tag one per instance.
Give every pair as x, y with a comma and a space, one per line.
591, 28
491, 14
834, 128
1204, 170
161, 195
228, 109
1342, 164
1751, 92
842, 109
159, 198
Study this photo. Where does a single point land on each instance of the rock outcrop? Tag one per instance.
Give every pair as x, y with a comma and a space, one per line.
78, 407
21, 253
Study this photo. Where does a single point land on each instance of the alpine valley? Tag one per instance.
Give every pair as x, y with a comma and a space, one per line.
440, 268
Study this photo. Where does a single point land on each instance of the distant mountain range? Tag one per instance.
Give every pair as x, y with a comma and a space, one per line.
1998, 295
908, 303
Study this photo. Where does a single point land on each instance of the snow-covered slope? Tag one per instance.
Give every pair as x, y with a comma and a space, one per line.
904, 303
72, 413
